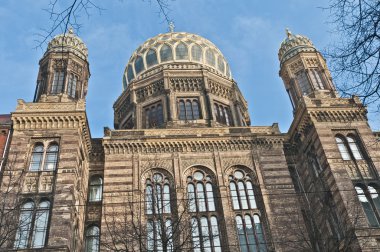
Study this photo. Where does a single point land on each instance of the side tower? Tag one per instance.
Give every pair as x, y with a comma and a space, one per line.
331, 154
48, 157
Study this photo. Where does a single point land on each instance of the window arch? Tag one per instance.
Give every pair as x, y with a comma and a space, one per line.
196, 53
92, 239
201, 202
139, 65
44, 159
96, 189
166, 53
370, 201
33, 225
72, 85
151, 58
188, 109
181, 52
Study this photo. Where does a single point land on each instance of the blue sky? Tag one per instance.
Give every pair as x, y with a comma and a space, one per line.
248, 32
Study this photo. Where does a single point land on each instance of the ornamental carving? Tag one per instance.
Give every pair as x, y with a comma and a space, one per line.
338, 115
229, 162
156, 162
208, 162
153, 89
311, 62
186, 84
59, 63
296, 66
220, 90
76, 67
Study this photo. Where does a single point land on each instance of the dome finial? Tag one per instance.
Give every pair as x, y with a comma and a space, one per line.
171, 26
288, 33
71, 30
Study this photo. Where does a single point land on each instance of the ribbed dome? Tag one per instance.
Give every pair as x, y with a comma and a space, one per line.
68, 42
175, 47
294, 44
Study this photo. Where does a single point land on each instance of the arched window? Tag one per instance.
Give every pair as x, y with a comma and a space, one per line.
41, 224
159, 236
221, 64
36, 219
37, 157
96, 189
202, 197
151, 58
72, 86
181, 52
51, 158
241, 189
354, 148
154, 116
139, 65
58, 81
42, 159
196, 53
342, 148
205, 234
250, 233
157, 193
369, 198
92, 239
316, 79
166, 53
130, 74
210, 57
303, 83
188, 109
24, 225
223, 114
348, 148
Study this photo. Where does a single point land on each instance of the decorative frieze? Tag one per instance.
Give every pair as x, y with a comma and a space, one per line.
186, 84
220, 90
208, 162
338, 115
153, 89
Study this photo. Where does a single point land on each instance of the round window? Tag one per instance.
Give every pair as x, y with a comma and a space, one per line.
198, 175
238, 174
157, 177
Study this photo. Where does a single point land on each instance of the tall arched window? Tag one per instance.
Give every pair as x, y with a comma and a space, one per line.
248, 224
166, 53
188, 109
37, 157
96, 189
42, 159
58, 81
181, 52
221, 64
158, 211
139, 65
210, 57
92, 239
303, 83
348, 148
130, 74
36, 219
41, 224
369, 198
154, 116
51, 157
316, 79
151, 58
223, 114
196, 53
201, 202
72, 85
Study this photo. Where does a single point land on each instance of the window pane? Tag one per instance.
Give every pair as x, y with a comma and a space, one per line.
221, 64
24, 225
71, 88
226, 115
241, 234
158, 235
191, 195
40, 225
195, 235
354, 148
139, 65
166, 199
373, 222
92, 239
36, 159
150, 235
251, 195
210, 197
342, 149
201, 198
215, 234
181, 51
210, 57
243, 195
169, 235
96, 189
195, 109
151, 58
189, 113
158, 199
130, 74
57, 86
51, 158
249, 229
303, 83
182, 111
259, 233
196, 53
205, 235
375, 197
149, 199
166, 53
234, 196
159, 115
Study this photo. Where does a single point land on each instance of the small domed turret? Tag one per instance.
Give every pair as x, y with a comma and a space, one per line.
68, 42
294, 44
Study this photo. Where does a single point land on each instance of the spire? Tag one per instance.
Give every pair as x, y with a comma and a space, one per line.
288, 33
71, 30
171, 26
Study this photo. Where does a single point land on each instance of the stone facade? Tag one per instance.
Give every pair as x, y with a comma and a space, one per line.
182, 170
